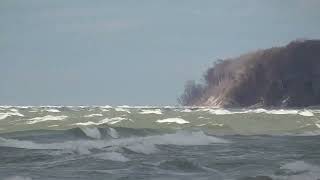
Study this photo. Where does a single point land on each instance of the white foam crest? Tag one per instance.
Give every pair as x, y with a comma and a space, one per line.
186, 110
221, 112
259, 110
92, 132
46, 118
113, 156
6, 107
124, 106
13, 110
53, 110
93, 115
51, 106
282, 111
24, 107
151, 111
306, 113
17, 178
88, 123
104, 121
122, 110
173, 120
112, 120
144, 107
11, 113
145, 145
105, 107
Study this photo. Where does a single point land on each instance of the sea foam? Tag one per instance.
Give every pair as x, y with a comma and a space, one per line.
154, 111
46, 118
93, 115
8, 114
173, 120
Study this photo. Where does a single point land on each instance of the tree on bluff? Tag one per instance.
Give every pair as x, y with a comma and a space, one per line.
192, 93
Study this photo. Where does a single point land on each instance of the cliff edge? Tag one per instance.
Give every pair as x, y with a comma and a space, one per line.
286, 76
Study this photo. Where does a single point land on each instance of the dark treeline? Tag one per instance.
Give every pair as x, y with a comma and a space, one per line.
286, 76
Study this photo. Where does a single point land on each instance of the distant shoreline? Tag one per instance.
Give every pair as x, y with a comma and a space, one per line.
279, 77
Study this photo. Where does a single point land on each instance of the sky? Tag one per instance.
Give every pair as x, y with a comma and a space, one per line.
133, 52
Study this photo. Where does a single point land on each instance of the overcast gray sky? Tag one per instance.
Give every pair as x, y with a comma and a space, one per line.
134, 52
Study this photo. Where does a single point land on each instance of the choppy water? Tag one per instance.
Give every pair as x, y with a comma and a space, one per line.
102, 142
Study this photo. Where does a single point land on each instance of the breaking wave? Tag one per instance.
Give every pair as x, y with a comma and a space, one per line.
12, 112
144, 145
307, 113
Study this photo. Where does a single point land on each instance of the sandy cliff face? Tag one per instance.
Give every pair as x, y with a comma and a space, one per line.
286, 76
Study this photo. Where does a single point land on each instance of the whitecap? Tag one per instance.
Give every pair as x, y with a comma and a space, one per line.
46, 118
306, 113
53, 110
86, 123
104, 121
112, 120
260, 110
124, 106
154, 111
186, 110
8, 114
6, 107
220, 111
122, 110
173, 120
282, 111
105, 107
93, 115
13, 110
